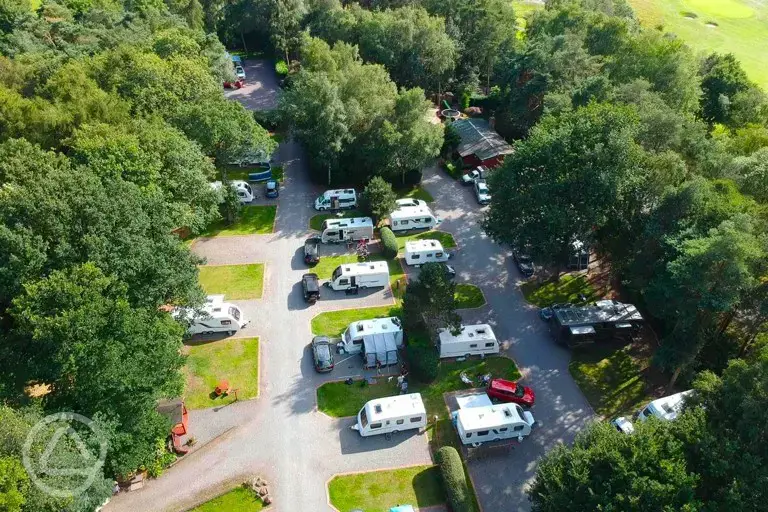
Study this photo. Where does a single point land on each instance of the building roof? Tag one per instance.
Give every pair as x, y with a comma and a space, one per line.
479, 139
602, 311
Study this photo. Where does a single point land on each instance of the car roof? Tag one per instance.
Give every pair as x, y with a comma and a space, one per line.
504, 385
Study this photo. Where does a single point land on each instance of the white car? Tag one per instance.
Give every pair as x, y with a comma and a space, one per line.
475, 174
410, 202
623, 425
240, 72
481, 192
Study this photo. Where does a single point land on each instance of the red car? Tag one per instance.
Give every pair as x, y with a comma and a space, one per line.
508, 391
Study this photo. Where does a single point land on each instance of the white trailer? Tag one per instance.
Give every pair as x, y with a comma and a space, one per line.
359, 276
418, 252
405, 218
666, 408
391, 414
215, 316
472, 340
243, 188
353, 339
340, 230
477, 425
336, 199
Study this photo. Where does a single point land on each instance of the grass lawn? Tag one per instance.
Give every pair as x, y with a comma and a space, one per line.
240, 499
254, 220
235, 172
377, 491
445, 239
234, 281
316, 222
610, 379
567, 289
468, 296
236, 360
415, 193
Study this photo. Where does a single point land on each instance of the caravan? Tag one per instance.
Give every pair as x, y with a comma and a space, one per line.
215, 316
244, 191
391, 414
359, 276
353, 339
478, 421
336, 199
472, 340
418, 252
412, 217
340, 230
666, 408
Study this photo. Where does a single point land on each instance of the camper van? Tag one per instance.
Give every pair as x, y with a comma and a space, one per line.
215, 316
666, 408
412, 217
359, 276
418, 252
244, 190
335, 231
471, 341
478, 423
391, 414
353, 339
336, 199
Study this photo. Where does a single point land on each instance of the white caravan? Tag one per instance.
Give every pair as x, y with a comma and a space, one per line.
391, 414
215, 316
479, 424
359, 276
471, 341
418, 252
353, 339
243, 188
336, 199
340, 230
666, 408
412, 217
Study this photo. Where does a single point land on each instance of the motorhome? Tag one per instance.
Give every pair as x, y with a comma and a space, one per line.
606, 319
418, 252
244, 191
479, 424
578, 259
341, 230
215, 316
359, 276
336, 199
353, 339
473, 340
412, 217
391, 414
666, 408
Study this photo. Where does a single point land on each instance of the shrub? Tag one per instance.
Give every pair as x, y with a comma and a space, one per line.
281, 68
389, 243
465, 99
269, 119
454, 481
422, 361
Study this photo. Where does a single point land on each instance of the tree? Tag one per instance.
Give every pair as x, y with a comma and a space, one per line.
722, 78
429, 303
285, 25
451, 140
379, 198
14, 484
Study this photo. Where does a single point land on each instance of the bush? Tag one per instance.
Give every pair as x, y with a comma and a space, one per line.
465, 99
389, 243
281, 68
453, 170
454, 481
378, 198
422, 361
269, 119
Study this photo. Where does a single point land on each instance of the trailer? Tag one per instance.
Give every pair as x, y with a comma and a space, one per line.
406, 218
353, 339
472, 340
244, 191
340, 230
575, 326
418, 252
215, 316
359, 276
338, 199
478, 425
390, 415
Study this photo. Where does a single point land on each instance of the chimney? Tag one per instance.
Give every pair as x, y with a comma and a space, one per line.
492, 122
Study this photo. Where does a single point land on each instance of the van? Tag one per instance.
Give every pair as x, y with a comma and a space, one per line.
244, 191
471, 341
391, 414
418, 252
412, 217
666, 408
336, 199
481, 424
353, 339
215, 316
359, 276
341, 230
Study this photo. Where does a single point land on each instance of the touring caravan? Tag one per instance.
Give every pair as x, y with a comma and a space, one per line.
479, 424
357, 276
215, 316
666, 408
412, 217
353, 339
336, 199
244, 191
418, 252
391, 414
472, 340
335, 231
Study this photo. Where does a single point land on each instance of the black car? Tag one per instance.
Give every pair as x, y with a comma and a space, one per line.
310, 285
524, 263
311, 250
450, 272
272, 189
322, 353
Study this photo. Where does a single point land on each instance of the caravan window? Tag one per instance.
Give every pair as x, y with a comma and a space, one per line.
363, 418
483, 432
468, 435
226, 322
439, 255
400, 422
429, 255
375, 425
490, 344
416, 256
503, 429
518, 428
344, 281
427, 220
234, 313
336, 273
347, 200
416, 419
473, 345
403, 222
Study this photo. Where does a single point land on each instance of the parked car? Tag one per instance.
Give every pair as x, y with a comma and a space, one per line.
237, 84
524, 263
450, 272
310, 285
623, 425
509, 391
272, 189
401, 203
322, 353
312, 250
481, 192
475, 174
240, 72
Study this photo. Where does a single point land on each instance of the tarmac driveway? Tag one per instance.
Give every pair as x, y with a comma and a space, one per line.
261, 90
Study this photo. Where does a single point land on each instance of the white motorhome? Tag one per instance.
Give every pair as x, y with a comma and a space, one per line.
215, 316
478, 424
340, 230
359, 276
391, 414
471, 341
353, 339
418, 252
243, 188
666, 408
336, 199
412, 217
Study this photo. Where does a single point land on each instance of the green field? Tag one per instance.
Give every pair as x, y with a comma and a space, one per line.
420, 486
240, 499
468, 296
254, 220
235, 282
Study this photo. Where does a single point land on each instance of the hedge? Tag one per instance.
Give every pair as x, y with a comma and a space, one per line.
422, 361
389, 243
454, 481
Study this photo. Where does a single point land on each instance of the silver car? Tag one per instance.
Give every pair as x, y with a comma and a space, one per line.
481, 192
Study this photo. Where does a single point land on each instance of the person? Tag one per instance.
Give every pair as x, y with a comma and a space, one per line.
400, 379
404, 387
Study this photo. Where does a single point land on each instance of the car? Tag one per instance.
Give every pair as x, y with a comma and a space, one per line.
322, 354
272, 189
310, 286
240, 72
410, 202
481, 192
623, 425
524, 263
475, 174
450, 272
510, 391
312, 250
237, 84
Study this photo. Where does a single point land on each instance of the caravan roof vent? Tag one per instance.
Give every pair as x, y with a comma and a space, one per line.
377, 408
360, 326
480, 331
507, 412
470, 334
216, 310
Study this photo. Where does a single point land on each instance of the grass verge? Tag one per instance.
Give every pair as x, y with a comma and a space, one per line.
415, 193
235, 360
316, 222
333, 323
376, 491
468, 296
235, 172
236, 282
566, 289
445, 239
254, 220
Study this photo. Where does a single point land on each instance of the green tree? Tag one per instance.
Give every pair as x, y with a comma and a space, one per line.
429, 303
14, 484
285, 25
379, 198
722, 77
